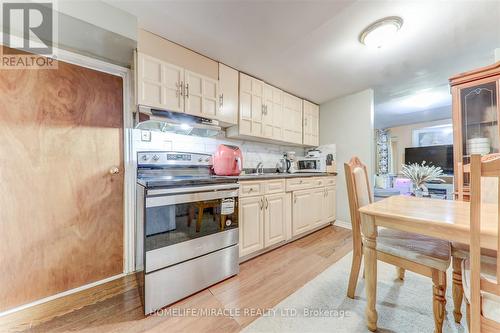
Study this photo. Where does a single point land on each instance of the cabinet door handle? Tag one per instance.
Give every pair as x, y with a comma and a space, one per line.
187, 90
267, 203
221, 101
181, 88
261, 204
178, 91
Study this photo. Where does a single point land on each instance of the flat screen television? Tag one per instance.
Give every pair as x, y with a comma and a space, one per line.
441, 156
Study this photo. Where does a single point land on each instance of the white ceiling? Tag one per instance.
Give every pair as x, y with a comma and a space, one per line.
311, 48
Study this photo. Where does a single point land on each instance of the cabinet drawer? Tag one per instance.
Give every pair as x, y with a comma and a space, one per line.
275, 186
298, 184
250, 189
318, 182
329, 181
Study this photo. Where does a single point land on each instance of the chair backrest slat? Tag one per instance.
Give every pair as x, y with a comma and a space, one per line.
488, 166
358, 190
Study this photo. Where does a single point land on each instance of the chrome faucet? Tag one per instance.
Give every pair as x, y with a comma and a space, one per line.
260, 168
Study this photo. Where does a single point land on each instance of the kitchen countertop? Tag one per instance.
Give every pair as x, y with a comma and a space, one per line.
280, 175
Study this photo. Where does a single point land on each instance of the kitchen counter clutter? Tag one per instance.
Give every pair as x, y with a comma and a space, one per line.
274, 211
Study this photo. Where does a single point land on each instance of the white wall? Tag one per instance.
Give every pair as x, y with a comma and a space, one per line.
348, 122
96, 29
101, 15
497, 54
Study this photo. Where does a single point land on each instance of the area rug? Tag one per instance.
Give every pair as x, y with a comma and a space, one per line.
322, 305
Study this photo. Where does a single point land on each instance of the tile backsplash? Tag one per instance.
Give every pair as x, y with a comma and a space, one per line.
253, 152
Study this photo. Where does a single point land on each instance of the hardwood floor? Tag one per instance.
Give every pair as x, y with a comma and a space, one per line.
262, 283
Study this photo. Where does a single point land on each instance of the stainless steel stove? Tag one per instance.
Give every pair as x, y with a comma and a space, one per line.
187, 226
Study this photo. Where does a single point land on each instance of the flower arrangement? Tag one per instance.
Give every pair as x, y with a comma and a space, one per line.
419, 174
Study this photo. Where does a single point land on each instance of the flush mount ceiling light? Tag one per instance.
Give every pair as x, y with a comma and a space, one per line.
380, 32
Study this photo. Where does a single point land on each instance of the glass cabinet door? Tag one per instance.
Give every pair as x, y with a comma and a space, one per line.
479, 120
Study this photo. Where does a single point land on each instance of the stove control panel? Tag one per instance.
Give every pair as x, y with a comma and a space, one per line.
172, 158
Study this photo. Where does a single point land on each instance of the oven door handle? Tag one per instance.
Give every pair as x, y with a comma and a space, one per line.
179, 190
167, 200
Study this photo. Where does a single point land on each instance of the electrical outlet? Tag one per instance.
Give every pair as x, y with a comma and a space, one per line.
146, 136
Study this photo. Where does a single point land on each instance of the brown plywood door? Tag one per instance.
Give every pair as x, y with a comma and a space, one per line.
61, 206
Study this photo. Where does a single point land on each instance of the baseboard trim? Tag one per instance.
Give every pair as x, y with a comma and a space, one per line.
59, 295
343, 224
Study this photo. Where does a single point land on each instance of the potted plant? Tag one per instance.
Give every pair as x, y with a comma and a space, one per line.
419, 174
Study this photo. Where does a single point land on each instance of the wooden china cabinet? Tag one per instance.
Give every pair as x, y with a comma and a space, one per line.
476, 100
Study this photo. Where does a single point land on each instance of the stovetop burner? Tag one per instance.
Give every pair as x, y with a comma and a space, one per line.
176, 169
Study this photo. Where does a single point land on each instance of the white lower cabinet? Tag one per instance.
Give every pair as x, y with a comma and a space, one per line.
329, 211
317, 207
276, 211
312, 208
251, 225
301, 210
274, 218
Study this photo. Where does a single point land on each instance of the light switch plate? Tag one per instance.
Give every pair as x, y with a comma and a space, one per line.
146, 136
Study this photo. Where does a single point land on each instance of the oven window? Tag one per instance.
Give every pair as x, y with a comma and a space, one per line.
171, 224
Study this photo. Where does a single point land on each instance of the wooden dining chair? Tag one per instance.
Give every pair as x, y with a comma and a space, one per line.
480, 283
417, 253
459, 251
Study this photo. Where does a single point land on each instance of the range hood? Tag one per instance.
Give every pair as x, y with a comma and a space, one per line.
175, 122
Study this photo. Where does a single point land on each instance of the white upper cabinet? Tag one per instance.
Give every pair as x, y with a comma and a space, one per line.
292, 119
273, 109
277, 114
172, 88
227, 111
159, 84
267, 113
201, 95
311, 124
251, 106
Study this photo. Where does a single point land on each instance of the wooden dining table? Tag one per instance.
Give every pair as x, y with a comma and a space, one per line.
444, 219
